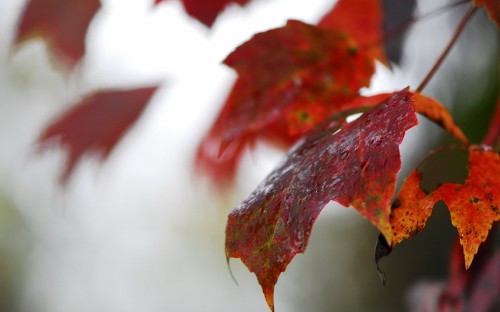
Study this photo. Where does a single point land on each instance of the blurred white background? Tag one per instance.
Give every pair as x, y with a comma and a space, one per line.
138, 232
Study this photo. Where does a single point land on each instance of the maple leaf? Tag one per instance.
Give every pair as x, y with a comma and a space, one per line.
361, 20
438, 113
473, 205
298, 64
355, 166
206, 11
371, 23
493, 9
290, 79
62, 23
96, 123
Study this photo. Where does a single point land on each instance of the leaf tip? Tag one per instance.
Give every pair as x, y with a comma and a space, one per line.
382, 249
269, 294
230, 270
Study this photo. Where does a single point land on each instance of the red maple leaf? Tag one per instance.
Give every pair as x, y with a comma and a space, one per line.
493, 9
355, 165
206, 11
62, 23
96, 124
474, 205
361, 20
290, 79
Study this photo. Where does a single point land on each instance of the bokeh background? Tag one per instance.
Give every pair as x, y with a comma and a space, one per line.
141, 231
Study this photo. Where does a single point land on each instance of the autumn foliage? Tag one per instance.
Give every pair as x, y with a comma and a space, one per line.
295, 87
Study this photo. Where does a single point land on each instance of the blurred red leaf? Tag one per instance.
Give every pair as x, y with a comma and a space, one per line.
355, 166
62, 23
96, 124
290, 80
361, 20
472, 290
295, 65
474, 206
206, 11
493, 9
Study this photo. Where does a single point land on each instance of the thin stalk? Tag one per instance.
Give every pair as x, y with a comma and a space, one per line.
409, 23
446, 51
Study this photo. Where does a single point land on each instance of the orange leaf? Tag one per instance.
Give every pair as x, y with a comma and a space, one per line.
493, 9
96, 123
436, 112
473, 206
411, 209
62, 23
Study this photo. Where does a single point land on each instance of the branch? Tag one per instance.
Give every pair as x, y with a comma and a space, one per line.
446, 51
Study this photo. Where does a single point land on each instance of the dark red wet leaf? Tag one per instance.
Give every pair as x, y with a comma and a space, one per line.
355, 166
96, 124
63, 24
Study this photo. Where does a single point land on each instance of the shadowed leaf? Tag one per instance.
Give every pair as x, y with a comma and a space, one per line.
396, 14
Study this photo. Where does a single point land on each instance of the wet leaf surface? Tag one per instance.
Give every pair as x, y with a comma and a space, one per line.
355, 166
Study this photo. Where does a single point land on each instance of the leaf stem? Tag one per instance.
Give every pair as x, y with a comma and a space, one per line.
409, 23
447, 49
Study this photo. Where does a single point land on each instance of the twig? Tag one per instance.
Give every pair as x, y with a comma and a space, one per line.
446, 51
